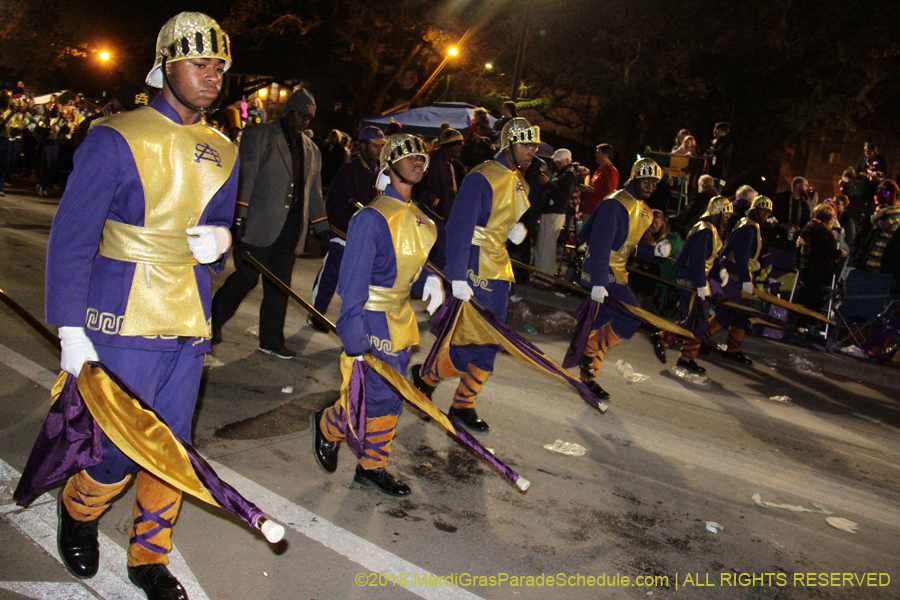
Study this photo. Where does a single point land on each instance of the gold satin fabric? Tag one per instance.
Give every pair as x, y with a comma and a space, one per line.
181, 168
717, 242
131, 243
138, 433
639, 220
403, 385
413, 234
510, 201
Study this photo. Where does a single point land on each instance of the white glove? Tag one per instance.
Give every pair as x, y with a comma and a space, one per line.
517, 233
434, 290
772, 221
382, 181
662, 249
757, 267
208, 242
76, 349
703, 292
599, 293
461, 290
723, 277
747, 287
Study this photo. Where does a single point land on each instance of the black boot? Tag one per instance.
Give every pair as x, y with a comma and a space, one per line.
381, 479
420, 384
658, 349
597, 390
77, 542
326, 452
737, 357
469, 418
157, 582
691, 365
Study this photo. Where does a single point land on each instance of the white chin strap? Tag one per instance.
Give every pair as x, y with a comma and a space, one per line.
382, 182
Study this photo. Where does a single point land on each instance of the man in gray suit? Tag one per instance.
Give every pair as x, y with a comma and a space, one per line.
279, 194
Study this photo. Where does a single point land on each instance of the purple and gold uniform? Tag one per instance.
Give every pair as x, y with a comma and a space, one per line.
492, 198
613, 232
739, 257
695, 261
387, 245
121, 270
118, 262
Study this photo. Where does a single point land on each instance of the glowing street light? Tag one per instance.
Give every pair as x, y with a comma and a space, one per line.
488, 66
263, 92
453, 51
104, 56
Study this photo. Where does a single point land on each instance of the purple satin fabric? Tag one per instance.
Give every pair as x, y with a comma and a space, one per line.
584, 319
442, 326
357, 409
69, 442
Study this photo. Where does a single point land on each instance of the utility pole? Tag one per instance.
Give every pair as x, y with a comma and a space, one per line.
520, 60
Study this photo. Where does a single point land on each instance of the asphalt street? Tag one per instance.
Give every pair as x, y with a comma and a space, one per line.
713, 491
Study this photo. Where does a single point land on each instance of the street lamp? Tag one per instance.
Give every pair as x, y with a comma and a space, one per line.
451, 52
104, 56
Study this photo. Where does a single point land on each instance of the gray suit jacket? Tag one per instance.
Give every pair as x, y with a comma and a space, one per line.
266, 185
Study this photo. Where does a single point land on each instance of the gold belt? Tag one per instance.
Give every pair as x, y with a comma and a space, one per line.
386, 299
145, 245
489, 239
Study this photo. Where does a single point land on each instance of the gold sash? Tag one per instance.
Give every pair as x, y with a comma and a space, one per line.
510, 201
744, 223
639, 220
181, 168
413, 234
717, 242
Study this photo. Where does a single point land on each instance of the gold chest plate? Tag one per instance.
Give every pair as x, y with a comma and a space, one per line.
413, 234
181, 168
510, 201
639, 220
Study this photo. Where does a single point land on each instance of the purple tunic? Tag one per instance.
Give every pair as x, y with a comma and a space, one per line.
106, 185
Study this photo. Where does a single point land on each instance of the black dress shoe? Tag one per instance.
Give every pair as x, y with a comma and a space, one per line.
691, 365
469, 418
381, 479
326, 452
597, 390
157, 582
658, 349
420, 384
216, 336
737, 357
279, 350
317, 324
76, 542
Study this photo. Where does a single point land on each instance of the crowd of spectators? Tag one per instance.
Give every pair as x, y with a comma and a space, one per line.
817, 238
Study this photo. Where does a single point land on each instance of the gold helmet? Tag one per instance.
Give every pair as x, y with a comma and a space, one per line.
519, 131
401, 145
718, 205
646, 168
762, 202
189, 35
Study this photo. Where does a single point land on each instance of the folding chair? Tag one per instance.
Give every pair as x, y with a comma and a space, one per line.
866, 296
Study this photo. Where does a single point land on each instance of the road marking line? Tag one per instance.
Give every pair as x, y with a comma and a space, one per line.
345, 543
23, 366
47, 590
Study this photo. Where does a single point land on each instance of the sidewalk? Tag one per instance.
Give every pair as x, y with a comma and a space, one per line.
766, 351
